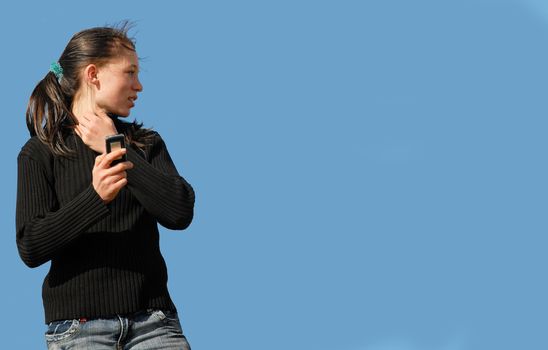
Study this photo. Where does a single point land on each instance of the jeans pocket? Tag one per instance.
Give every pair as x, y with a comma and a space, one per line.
168, 318
61, 330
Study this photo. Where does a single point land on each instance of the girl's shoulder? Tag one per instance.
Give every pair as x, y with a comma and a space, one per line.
34, 146
36, 150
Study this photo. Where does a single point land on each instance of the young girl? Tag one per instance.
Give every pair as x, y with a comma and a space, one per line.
97, 222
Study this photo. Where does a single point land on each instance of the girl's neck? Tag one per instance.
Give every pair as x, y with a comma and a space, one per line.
83, 104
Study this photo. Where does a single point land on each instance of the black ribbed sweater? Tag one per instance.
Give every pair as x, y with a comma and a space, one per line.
105, 258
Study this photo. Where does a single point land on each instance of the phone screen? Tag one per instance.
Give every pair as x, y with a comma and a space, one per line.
115, 145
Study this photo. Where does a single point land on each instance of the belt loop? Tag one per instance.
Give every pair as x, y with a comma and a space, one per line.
161, 315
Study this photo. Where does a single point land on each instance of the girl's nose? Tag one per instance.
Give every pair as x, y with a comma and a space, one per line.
138, 86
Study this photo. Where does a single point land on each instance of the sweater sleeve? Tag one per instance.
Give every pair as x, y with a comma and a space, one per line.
43, 229
159, 188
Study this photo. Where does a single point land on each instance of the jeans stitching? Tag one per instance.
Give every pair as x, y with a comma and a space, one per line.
54, 337
121, 330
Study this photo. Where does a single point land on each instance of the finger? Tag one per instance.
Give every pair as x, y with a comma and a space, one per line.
83, 128
117, 170
119, 184
123, 166
101, 113
99, 158
114, 179
120, 167
109, 157
83, 132
84, 119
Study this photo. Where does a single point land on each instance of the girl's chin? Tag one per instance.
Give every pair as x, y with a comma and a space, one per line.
118, 114
122, 114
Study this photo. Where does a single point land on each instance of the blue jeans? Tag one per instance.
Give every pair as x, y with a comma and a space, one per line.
146, 330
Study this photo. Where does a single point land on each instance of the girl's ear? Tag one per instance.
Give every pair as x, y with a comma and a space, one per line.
90, 74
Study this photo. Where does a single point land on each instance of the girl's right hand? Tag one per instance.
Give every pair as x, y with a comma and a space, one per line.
107, 180
93, 128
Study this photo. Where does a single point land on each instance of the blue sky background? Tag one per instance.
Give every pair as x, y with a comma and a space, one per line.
370, 175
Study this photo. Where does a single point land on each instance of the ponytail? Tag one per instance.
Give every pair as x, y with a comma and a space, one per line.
48, 114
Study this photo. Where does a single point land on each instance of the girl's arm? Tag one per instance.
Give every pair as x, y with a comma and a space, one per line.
159, 188
43, 229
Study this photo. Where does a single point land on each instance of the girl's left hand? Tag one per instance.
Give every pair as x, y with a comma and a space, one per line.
93, 128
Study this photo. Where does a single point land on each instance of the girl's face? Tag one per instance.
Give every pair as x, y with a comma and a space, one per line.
118, 84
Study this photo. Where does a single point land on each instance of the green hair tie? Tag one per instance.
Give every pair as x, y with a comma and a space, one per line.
57, 70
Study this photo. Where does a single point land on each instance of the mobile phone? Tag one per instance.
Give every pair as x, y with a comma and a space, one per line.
113, 143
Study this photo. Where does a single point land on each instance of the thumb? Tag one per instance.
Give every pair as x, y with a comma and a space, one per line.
99, 158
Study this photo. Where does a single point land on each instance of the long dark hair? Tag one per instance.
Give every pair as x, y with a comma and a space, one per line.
49, 115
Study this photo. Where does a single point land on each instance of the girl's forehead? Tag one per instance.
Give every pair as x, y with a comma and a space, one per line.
128, 58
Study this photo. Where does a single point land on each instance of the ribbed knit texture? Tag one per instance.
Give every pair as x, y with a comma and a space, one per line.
105, 258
